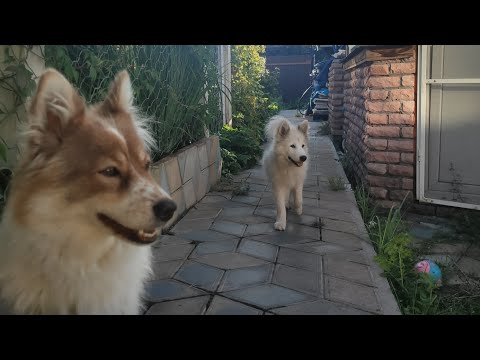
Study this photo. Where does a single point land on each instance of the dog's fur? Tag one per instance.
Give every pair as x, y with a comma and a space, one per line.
285, 162
58, 255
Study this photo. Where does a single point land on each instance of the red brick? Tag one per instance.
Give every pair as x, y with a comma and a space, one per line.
383, 131
408, 132
403, 68
383, 156
408, 80
384, 82
379, 69
408, 158
401, 145
378, 94
377, 119
383, 106
377, 169
383, 182
400, 194
376, 144
408, 106
400, 170
378, 192
401, 119
407, 184
402, 94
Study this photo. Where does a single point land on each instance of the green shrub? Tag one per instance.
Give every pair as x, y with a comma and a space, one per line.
255, 94
415, 293
240, 149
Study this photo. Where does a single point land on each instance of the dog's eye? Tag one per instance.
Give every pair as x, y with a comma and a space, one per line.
110, 172
303, 146
293, 146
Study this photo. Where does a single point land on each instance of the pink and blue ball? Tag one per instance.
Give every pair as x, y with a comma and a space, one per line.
430, 268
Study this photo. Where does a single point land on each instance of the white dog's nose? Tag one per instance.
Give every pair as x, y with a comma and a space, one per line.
303, 158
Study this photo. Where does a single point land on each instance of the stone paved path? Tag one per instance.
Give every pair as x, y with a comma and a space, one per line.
226, 258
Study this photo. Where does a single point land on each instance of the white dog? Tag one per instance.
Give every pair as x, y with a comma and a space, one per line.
285, 163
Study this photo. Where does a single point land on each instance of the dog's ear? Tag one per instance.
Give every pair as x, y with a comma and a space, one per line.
303, 127
120, 95
53, 106
55, 100
284, 128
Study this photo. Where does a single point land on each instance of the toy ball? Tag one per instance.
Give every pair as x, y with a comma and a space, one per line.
430, 268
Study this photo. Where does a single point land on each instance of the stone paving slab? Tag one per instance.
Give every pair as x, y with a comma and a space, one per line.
224, 306
246, 277
268, 296
225, 258
200, 275
189, 306
319, 307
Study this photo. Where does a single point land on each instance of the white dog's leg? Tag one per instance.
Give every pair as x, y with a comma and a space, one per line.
281, 221
288, 200
298, 198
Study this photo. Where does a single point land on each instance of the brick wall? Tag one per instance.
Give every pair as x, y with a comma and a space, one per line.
354, 120
379, 127
335, 98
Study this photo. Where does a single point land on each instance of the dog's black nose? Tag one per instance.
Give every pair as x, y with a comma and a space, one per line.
164, 209
303, 158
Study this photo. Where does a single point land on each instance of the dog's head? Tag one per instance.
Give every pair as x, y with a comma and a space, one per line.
88, 166
294, 140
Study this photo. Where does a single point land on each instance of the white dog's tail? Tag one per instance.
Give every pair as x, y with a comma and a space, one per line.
273, 125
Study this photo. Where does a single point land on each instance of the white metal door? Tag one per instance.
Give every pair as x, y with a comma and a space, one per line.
448, 125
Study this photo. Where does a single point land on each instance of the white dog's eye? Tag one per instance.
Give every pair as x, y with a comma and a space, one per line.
110, 172
303, 145
293, 146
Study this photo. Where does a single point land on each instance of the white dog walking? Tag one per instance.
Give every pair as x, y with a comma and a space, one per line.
285, 163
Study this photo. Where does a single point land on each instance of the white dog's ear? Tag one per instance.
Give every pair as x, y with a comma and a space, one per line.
120, 95
303, 126
284, 128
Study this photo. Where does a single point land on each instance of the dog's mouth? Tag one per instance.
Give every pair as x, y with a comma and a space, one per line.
142, 236
296, 163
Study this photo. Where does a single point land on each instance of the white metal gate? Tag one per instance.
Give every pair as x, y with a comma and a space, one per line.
448, 125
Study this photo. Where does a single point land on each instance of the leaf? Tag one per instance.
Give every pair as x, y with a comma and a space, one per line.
75, 75
93, 73
3, 152
12, 68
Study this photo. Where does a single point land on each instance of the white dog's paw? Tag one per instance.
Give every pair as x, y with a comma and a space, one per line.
279, 226
299, 210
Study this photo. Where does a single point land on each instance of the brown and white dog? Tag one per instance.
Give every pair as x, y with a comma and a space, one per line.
82, 207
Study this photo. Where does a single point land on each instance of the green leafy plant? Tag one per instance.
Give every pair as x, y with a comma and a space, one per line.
255, 95
240, 149
17, 80
416, 293
367, 209
336, 183
176, 87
